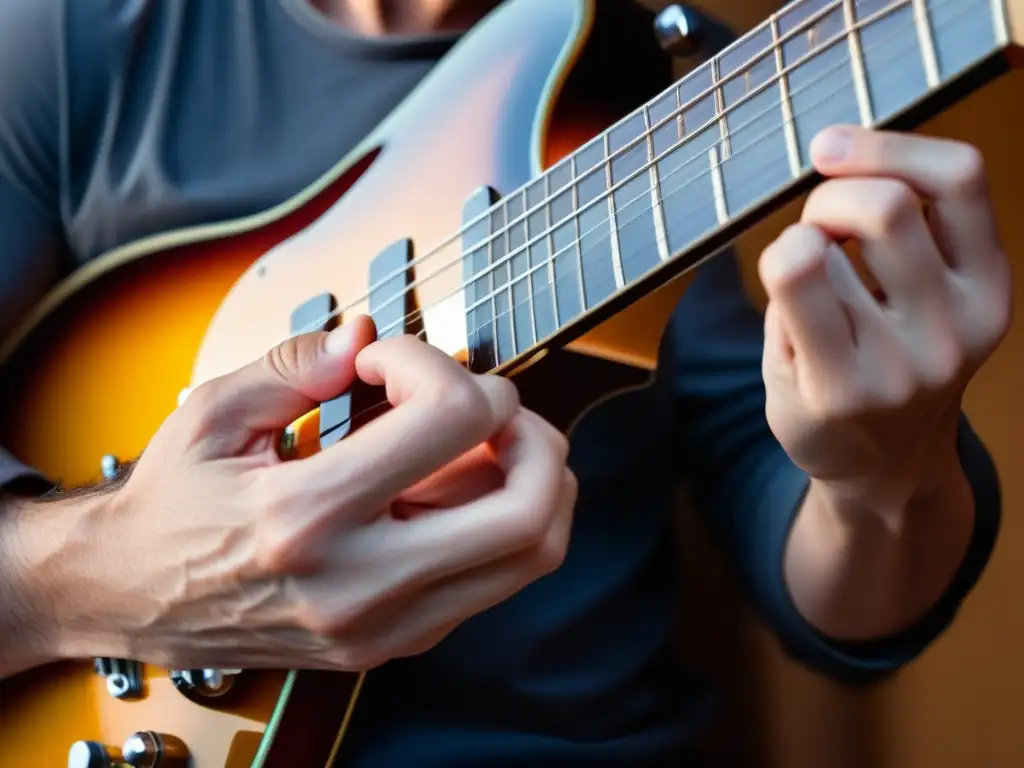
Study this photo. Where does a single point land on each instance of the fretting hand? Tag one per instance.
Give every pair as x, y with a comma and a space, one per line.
216, 554
864, 390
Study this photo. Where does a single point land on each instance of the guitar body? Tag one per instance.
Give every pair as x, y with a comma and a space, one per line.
103, 361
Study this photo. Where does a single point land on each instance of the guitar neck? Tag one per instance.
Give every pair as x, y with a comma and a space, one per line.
677, 179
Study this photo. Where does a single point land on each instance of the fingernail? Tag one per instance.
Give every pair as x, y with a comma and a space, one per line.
831, 145
338, 341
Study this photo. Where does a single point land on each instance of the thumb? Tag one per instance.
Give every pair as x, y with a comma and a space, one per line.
288, 381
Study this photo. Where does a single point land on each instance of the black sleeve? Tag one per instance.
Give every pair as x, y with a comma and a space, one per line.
33, 250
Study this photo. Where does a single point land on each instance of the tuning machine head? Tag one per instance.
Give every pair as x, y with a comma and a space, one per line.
684, 31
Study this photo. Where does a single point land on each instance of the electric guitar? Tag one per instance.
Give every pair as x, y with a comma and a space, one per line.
498, 213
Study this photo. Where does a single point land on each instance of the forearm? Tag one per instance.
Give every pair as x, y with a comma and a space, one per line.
43, 586
857, 570
26, 639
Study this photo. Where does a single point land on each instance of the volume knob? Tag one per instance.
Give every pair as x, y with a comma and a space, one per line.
148, 749
92, 754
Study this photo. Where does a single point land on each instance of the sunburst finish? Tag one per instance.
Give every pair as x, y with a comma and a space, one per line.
102, 363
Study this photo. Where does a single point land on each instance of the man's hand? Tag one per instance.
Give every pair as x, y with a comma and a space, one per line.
865, 391
215, 553
864, 387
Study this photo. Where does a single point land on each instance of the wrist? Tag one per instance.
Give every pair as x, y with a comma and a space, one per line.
891, 497
49, 564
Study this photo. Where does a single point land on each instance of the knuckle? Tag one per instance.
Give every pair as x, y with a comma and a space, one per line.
356, 657
944, 364
992, 320
792, 255
506, 390
275, 547
290, 357
968, 164
333, 621
560, 446
460, 398
572, 486
279, 537
891, 392
895, 205
531, 526
551, 553
837, 401
202, 406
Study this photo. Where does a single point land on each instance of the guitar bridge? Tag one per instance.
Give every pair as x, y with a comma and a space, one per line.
124, 677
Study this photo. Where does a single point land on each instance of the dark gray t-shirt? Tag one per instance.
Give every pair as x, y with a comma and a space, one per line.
121, 118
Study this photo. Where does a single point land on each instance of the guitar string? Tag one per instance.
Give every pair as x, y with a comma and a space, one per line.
804, 25
646, 193
646, 135
484, 216
368, 411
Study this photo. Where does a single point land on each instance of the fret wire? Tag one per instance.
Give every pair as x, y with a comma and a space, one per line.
723, 126
929, 59
786, 103
860, 78
527, 275
576, 228
1002, 28
680, 120
657, 210
550, 236
613, 231
494, 294
718, 187
511, 281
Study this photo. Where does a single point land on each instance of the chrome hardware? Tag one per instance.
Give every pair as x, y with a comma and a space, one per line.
92, 754
124, 678
683, 31
675, 28
110, 466
204, 683
148, 749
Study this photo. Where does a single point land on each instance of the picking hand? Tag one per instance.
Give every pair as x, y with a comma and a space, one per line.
865, 389
374, 548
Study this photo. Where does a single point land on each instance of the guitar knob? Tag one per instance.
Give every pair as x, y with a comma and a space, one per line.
92, 754
148, 749
676, 29
684, 31
203, 683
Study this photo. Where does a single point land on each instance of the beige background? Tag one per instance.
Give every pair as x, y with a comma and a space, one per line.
962, 703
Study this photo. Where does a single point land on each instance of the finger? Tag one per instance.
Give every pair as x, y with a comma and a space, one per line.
794, 272
286, 383
441, 411
951, 174
470, 476
513, 518
885, 216
418, 622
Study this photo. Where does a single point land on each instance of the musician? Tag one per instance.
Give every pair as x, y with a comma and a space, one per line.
823, 442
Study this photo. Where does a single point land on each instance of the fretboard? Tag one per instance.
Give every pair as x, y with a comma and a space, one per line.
711, 153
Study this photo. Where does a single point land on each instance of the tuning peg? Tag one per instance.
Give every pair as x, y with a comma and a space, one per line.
684, 31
